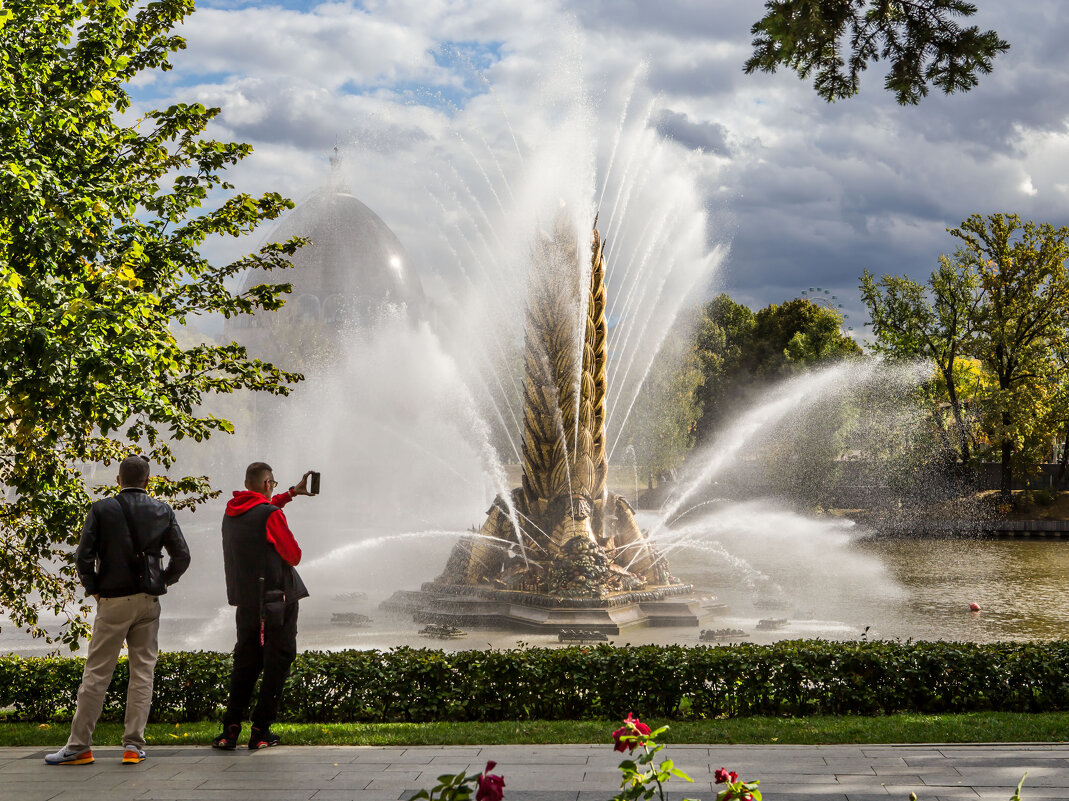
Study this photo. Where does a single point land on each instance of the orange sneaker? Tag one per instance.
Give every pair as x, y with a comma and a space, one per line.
132, 755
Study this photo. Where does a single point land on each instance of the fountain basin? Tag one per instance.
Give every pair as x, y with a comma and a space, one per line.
486, 607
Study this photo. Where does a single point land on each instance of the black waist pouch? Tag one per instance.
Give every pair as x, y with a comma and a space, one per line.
274, 608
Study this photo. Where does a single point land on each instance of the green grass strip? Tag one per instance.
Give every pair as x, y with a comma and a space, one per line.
978, 727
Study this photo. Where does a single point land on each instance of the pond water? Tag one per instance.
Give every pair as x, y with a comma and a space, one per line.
841, 584
1022, 587
921, 590
898, 588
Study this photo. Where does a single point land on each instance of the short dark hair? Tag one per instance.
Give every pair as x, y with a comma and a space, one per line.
133, 471
256, 473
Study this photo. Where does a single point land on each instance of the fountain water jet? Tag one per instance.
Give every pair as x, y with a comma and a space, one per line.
792, 397
595, 568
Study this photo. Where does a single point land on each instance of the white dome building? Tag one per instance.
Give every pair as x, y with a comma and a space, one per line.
352, 274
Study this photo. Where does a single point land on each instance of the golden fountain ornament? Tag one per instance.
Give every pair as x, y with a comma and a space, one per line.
562, 551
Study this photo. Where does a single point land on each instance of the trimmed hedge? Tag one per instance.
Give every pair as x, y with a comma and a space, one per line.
790, 678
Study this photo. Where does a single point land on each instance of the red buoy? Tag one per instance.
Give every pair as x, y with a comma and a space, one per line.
974, 607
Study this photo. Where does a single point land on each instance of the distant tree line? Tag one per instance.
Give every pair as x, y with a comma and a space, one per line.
720, 359
992, 319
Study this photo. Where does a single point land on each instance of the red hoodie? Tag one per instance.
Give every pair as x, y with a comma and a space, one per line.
278, 530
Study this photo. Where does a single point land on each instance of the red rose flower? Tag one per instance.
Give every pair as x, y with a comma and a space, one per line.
724, 776
633, 727
491, 787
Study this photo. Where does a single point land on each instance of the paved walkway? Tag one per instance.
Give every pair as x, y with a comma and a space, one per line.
540, 772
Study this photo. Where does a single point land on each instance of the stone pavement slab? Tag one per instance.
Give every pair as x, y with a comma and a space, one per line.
934, 772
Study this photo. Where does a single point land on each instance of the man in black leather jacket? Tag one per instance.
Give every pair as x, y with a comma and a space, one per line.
118, 562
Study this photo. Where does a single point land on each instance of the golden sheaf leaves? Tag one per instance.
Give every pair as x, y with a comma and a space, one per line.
564, 441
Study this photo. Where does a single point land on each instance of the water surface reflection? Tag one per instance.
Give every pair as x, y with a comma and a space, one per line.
820, 580
1021, 586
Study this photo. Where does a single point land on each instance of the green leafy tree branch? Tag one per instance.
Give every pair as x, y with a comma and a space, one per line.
100, 228
836, 40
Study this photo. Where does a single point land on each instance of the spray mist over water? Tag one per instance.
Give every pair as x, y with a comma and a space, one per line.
756, 552
780, 408
410, 426
766, 561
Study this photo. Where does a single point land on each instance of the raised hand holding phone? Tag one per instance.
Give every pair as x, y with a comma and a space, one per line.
308, 485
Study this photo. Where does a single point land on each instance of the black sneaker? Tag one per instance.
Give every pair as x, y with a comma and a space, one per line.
263, 738
228, 740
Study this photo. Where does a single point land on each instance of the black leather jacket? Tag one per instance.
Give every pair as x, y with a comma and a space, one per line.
106, 557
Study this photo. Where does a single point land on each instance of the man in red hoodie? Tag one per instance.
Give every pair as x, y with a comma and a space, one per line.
259, 556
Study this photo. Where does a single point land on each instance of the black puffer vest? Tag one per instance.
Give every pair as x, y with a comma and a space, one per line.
248, 555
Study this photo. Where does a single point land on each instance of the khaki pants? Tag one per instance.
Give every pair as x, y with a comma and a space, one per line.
135, 619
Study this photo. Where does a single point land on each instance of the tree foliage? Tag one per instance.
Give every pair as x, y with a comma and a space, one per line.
836, 40
933, 321
100, 225
995, 321
740, 350
1021, 325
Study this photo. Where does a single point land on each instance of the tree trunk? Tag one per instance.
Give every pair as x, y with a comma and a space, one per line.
1059, 482
955, 407
940, 426
1006, 478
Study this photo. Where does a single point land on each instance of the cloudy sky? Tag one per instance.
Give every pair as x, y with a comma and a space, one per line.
806, 193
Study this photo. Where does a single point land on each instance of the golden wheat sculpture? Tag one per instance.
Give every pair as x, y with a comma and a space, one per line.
562, 533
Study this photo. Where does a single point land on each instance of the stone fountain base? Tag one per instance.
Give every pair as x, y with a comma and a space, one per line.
465, 606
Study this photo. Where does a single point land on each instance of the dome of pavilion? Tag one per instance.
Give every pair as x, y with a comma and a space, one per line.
352, 274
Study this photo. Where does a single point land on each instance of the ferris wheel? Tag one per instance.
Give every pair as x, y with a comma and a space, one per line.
819, 296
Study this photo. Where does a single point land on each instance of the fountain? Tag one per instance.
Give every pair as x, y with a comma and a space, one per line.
560, 552
421, 426
417, 427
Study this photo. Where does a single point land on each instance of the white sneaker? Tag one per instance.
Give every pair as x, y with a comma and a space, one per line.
68, 756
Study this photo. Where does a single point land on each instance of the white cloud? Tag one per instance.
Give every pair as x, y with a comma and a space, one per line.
332, 46
813, 193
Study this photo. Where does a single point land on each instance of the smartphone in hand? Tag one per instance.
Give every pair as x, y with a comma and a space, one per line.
313, 483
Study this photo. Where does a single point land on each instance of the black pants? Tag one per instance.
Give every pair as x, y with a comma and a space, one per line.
273, 659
